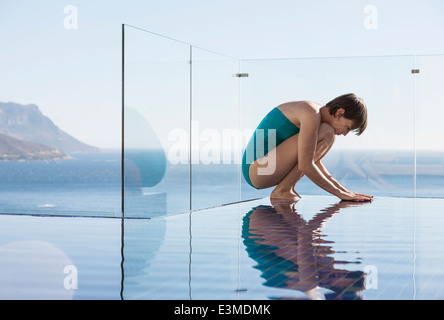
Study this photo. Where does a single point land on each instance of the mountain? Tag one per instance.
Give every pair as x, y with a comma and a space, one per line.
12, 149
26, 122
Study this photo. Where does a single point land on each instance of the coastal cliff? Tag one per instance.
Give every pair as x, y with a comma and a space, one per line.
26, 134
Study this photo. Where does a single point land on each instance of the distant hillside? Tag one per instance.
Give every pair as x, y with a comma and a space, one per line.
26, 122
12, 149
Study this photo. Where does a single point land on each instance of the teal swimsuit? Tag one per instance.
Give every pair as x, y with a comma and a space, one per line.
274, 129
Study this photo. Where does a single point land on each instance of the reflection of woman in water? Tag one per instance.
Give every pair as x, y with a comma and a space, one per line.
293, 138
291, 254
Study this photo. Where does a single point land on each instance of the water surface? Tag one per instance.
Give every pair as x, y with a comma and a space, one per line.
319, 248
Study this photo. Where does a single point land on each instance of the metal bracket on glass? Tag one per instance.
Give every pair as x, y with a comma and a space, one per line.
415, 70
242, 75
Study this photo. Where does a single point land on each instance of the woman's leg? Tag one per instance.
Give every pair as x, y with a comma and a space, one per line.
280, 166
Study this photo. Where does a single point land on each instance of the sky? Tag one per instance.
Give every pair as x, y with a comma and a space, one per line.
72, 69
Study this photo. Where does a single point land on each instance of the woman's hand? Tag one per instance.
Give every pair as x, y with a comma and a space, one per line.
353, 196
364, 195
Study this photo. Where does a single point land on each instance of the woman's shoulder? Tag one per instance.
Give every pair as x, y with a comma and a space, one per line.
302, 105
296, 110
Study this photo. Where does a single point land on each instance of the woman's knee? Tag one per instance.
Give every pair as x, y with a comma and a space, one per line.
326, 133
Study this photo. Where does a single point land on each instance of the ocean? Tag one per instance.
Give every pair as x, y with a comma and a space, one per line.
90, 184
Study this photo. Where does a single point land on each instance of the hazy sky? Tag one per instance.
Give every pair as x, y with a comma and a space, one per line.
73, 75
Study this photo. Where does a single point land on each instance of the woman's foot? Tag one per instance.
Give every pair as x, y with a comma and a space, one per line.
283, 206
294, 191
290, 195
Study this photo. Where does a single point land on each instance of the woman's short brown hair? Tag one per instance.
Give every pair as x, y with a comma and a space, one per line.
355, 109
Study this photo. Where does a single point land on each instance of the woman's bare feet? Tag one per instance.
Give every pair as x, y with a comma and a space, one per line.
283, 206
294, 191
285, 195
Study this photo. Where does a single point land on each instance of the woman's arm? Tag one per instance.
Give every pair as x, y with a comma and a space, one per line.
327, 174
310, 121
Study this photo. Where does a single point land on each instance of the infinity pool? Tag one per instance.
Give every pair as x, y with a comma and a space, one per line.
319, 248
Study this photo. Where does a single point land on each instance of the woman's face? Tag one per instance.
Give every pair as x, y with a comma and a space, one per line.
341, 124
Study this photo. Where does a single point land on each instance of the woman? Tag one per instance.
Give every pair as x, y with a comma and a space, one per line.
293, 138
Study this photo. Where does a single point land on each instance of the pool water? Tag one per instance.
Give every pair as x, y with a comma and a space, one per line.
318, 248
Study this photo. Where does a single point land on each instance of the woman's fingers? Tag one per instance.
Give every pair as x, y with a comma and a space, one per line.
352, 196
365, 195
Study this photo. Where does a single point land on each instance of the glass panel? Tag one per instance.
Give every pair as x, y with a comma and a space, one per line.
381, 161
429, 129
215, 145
156, 124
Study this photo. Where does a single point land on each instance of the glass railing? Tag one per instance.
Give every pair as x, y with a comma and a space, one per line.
156, 124
181, 126
188, 114
429, 169
381, 161
202, 107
